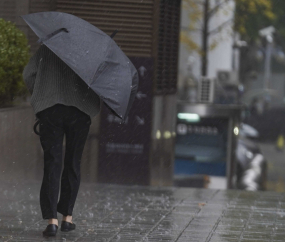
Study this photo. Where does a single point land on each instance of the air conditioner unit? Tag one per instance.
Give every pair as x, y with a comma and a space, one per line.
225, 77
206, 90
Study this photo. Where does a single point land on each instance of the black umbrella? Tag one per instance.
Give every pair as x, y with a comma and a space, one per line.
91, 54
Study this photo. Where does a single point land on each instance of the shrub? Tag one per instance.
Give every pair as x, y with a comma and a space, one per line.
14, 55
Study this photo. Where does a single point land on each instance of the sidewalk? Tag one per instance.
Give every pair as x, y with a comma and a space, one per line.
122, 213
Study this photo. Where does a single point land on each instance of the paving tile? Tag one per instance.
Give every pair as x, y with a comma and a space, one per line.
109, 213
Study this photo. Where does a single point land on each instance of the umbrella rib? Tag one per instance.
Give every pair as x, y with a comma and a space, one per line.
102, 63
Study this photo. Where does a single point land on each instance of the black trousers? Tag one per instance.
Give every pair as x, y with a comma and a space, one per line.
54, 123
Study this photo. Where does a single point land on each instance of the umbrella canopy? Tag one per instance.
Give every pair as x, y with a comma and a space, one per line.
91, 54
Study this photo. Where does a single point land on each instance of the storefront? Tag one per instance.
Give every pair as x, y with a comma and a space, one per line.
205, 144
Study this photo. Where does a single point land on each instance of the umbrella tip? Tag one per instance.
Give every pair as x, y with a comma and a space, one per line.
114, 33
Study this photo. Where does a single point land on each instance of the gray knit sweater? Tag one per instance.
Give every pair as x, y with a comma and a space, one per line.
51, 81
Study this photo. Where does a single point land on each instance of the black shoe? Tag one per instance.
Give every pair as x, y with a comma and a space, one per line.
66, 226
50, 230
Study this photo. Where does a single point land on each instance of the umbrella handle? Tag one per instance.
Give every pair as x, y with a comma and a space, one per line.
114, 33
52, 34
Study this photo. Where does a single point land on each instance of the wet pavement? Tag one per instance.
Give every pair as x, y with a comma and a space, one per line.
109, 213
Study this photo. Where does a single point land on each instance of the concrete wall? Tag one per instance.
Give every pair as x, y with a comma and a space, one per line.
163, 140
21, 153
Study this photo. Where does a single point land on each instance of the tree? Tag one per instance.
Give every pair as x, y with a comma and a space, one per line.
251, 16
202, 12
278, 7
14, 55
261, 14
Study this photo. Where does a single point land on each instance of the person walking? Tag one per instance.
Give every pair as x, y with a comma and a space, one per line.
64, 105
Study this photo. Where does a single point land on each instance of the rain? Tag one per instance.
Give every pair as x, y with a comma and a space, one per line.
142, 120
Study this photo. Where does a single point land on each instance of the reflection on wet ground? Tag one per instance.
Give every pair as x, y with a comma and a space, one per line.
135, 213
